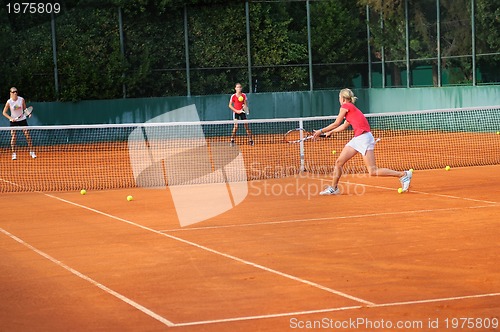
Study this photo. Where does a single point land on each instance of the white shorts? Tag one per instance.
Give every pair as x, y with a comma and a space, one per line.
362, 143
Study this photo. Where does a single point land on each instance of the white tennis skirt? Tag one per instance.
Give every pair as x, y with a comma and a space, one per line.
362, 143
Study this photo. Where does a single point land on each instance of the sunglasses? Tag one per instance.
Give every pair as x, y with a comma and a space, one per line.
13, 92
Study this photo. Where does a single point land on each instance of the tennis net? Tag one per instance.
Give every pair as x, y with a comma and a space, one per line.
97, 157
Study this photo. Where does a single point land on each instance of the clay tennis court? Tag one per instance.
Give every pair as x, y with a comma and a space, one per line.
284, 259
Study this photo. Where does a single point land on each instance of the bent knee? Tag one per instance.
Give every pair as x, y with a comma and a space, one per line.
340, 162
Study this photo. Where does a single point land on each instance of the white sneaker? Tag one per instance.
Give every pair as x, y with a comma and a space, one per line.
405, 180
32, 154
14, 156
330, 191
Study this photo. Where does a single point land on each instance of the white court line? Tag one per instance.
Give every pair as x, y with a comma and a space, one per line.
285, 314
234, 319
308, 312
231, 257
168, 323
425, 193
454, 197
412, 191
454, 298
493, 204
90, 280
351, 216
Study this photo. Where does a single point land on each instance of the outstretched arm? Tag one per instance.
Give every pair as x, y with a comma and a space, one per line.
340, 128
336, 124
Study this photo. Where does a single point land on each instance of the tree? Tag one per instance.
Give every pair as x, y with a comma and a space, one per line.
91, 65
456, 44
488, 40
339, 40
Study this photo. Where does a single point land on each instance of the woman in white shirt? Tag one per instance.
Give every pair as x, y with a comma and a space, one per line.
16, 105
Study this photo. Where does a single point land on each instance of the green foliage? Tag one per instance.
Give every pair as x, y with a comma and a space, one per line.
339, 37
456, 38
88, 54
27, 62
274, 51
154, 54
91, 65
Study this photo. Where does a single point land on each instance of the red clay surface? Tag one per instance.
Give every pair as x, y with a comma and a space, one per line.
284, 259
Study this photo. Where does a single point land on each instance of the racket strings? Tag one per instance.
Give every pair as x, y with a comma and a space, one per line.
296, 135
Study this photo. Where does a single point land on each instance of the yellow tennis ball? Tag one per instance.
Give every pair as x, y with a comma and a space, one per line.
129, 198
334, 152
83, 191
240, 98
447, 168
400, 190
498, 132
411, 170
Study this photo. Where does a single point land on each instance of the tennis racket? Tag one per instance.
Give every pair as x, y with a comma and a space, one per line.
246, 109
298, 135
26, 112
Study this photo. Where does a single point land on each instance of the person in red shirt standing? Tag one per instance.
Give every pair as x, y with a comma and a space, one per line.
237, 103
362, 142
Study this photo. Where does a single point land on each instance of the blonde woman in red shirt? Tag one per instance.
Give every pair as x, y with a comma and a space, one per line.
362, 142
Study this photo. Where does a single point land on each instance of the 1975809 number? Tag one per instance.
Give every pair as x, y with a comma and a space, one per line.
463, 323
33, 8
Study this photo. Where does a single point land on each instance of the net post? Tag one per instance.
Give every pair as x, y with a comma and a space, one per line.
302, 162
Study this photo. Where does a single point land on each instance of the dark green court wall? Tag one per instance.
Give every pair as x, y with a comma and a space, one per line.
262, 105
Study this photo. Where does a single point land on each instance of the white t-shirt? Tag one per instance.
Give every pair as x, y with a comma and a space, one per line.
16, 108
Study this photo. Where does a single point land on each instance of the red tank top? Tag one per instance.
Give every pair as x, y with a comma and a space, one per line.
236, 103
357, 119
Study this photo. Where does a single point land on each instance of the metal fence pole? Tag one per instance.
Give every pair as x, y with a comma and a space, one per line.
122, 47
407, 37
186, 50
54, 53
369, 48
382, 50
438, 29
249, 53
309, 50
473, 32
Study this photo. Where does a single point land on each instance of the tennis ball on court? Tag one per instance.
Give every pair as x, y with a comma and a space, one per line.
411, 170
240, 98
83, 191
334, 152
498, 132
400, 190
447, 168
130, 198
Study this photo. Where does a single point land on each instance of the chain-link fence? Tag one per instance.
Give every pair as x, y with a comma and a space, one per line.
99, 51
